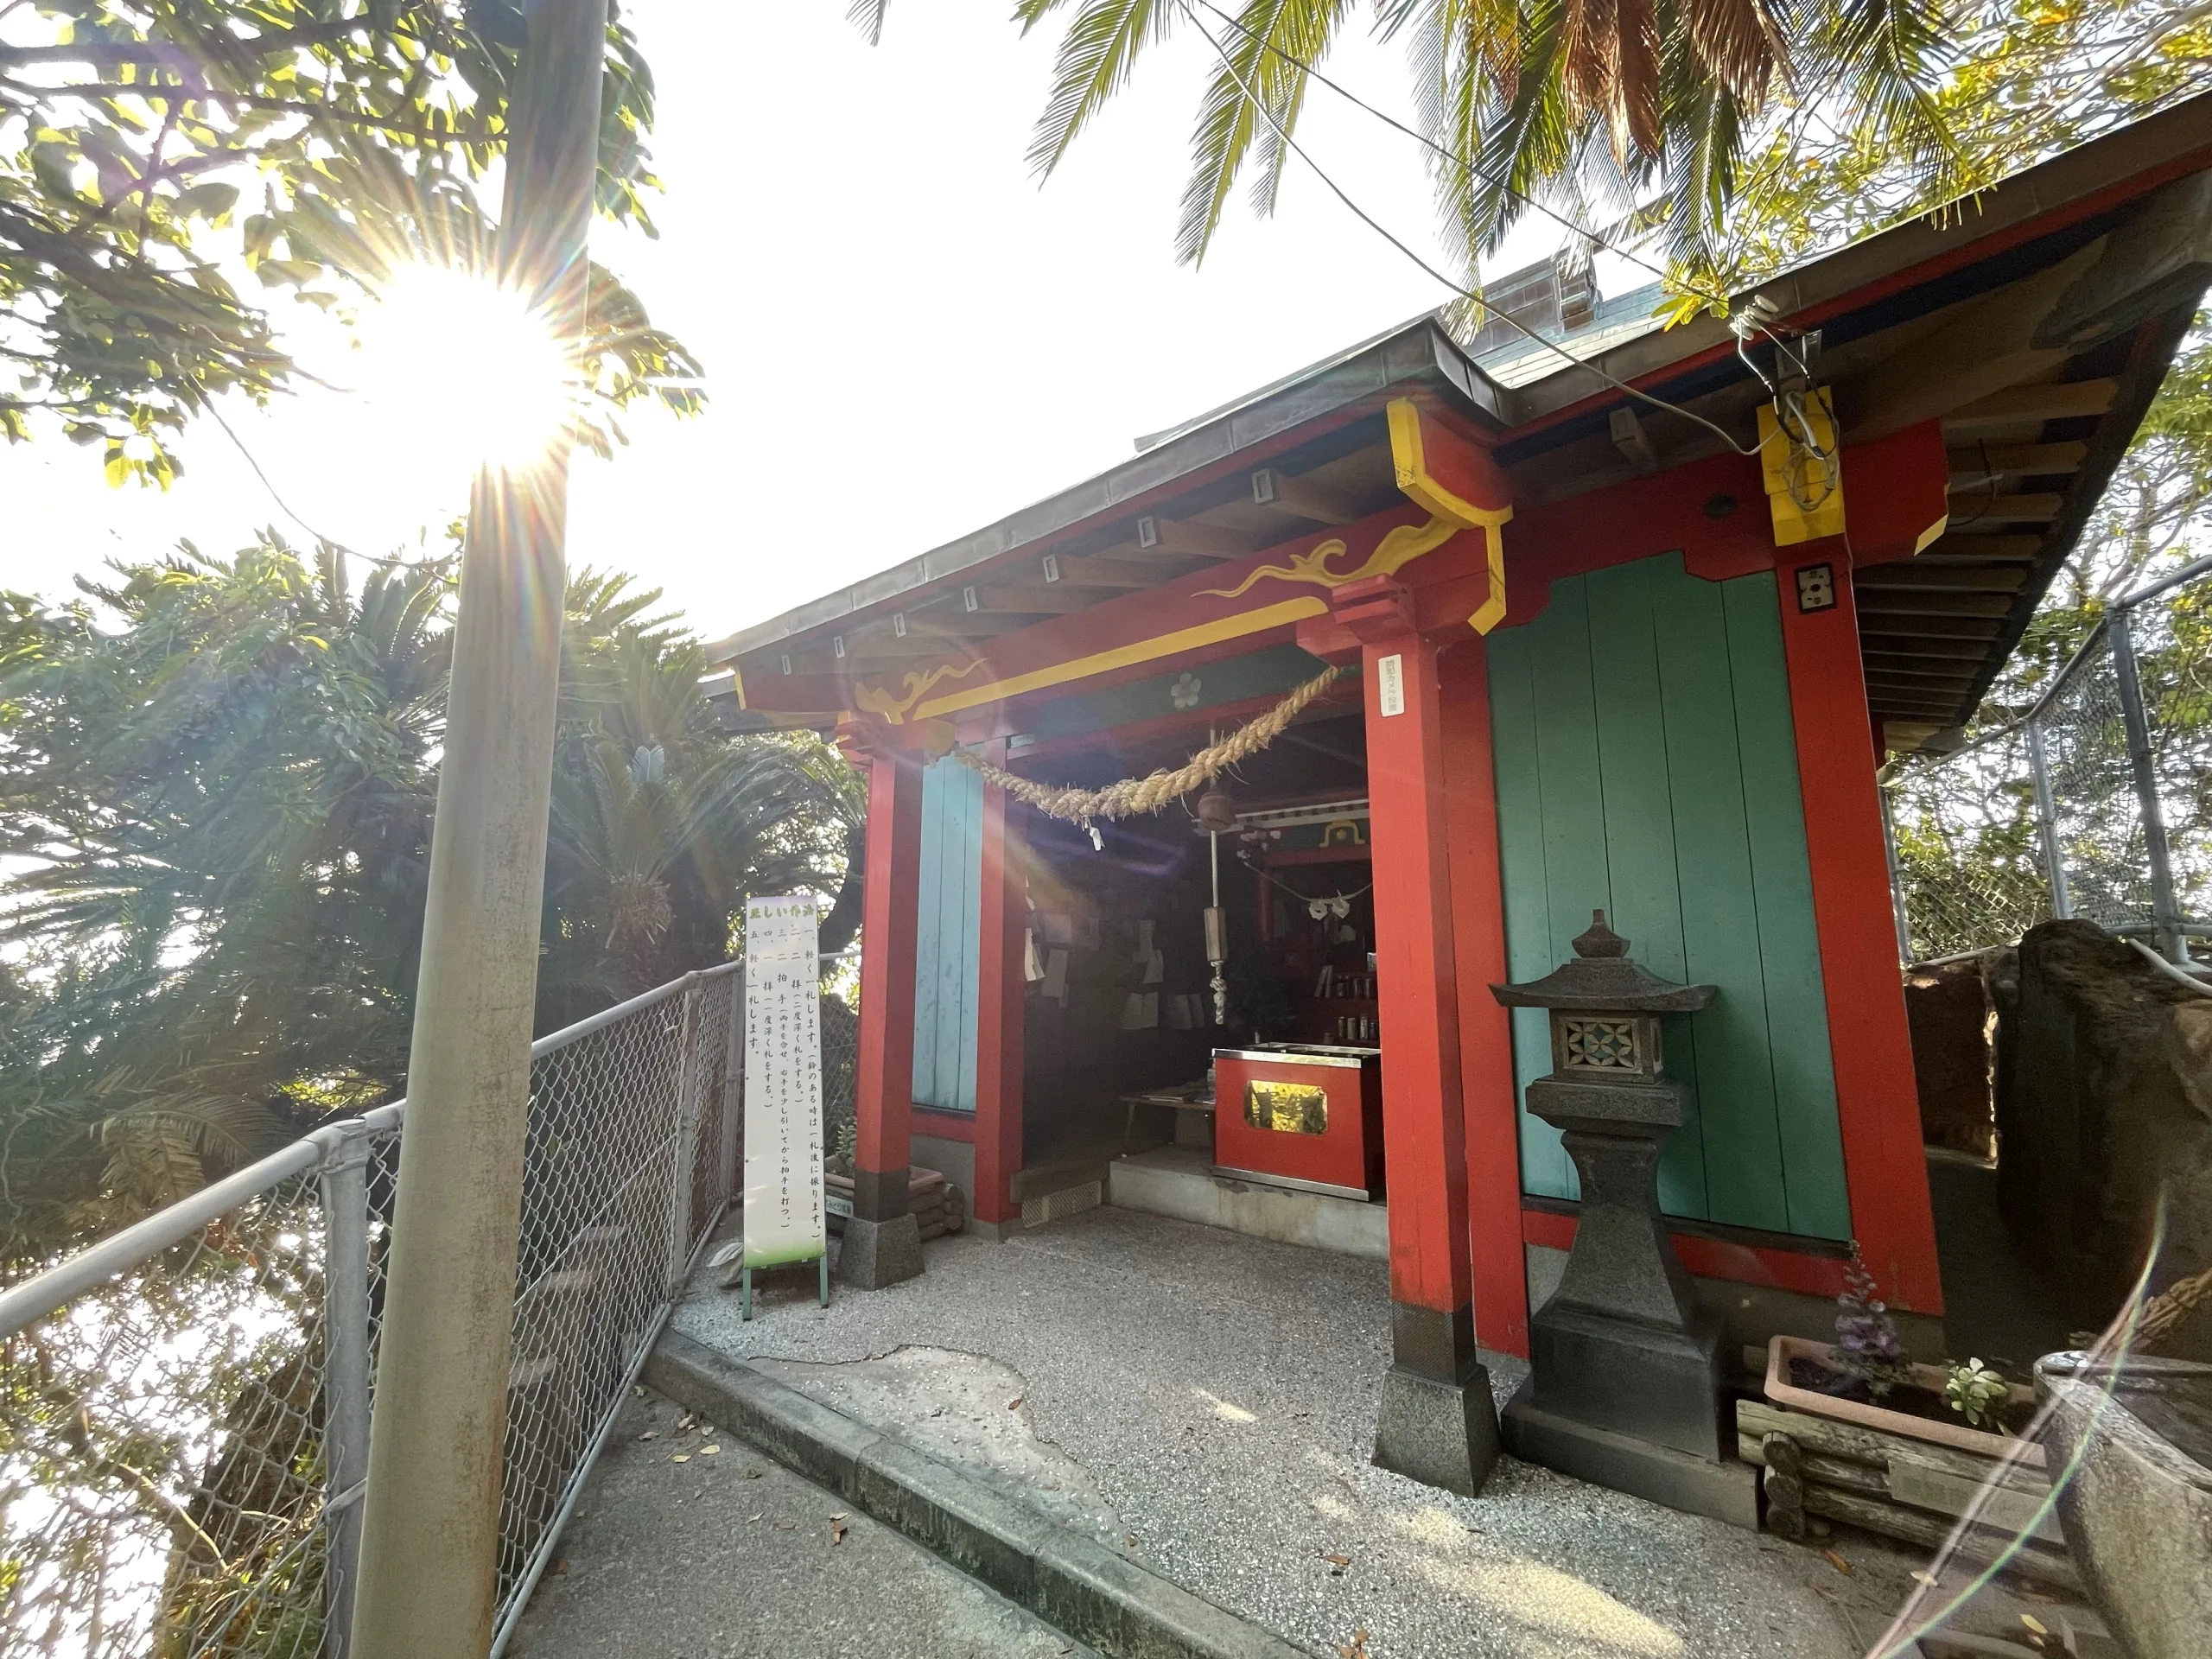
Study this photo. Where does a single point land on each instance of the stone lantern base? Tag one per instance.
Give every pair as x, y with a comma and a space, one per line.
1726, 1491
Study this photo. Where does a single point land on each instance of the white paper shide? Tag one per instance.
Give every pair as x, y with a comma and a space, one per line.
783, 1083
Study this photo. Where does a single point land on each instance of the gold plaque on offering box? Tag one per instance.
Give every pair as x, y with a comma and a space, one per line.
1289, 1108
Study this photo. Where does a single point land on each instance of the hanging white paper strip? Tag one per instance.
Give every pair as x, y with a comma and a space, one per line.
783, 1083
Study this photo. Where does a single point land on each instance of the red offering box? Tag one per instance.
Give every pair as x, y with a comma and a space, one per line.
1307, 1113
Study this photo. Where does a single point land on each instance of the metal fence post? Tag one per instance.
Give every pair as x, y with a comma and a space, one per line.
1897, 879
345, 1182
2165, 914
732, 1101
2054, 865
681, 1174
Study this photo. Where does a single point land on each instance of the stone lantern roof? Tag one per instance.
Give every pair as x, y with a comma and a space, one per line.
1602, 979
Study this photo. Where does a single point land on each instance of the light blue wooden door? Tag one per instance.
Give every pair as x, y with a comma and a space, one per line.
1647, 765
948, 938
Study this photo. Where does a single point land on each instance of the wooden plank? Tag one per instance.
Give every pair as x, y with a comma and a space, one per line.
1511, 653
1095, 572
1641, 860
1056, 598
1882, 602
1182, 539
971, 935
1306, 498
1985, 515
1943, 1492
928, 914
2017, 405
1705, 767
1807, 1121
1920, 579
1902, 626
1575, 879
1897, 1520
1912, 654
1758, 1418
1973, 465
1978, 548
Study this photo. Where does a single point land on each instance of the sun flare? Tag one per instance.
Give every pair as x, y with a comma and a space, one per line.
464, 371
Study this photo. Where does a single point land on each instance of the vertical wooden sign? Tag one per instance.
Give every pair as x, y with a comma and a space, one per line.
783, 1083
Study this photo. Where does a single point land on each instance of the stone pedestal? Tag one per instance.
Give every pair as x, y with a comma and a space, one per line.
1438, 1422
879, 1253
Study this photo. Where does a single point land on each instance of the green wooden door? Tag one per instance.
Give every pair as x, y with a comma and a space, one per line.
948, 941
1646, 765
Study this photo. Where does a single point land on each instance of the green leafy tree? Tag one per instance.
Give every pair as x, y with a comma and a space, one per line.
1967, 844
217, 777
164, 151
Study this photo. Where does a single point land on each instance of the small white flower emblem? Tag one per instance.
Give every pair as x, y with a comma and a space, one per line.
1185, 691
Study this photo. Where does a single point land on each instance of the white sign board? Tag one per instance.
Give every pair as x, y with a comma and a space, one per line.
1390, 684
783, 1083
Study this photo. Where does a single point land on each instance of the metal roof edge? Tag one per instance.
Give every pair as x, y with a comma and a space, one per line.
2134, 151
1416, 350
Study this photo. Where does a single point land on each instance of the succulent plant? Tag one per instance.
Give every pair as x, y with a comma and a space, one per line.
1978, 1392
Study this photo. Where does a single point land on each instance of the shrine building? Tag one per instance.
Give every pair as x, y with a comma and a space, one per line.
1623, 617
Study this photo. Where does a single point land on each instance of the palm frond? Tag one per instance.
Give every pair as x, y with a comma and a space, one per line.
1093, 63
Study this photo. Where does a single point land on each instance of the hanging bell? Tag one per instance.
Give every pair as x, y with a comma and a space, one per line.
1217, 811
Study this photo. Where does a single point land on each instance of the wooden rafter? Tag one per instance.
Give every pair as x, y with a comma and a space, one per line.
2028, 405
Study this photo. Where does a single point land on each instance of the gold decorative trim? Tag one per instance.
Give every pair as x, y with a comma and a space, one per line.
1398, 547
1409, 457
894, 709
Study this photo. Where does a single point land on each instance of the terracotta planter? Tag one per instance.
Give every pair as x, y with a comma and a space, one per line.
1958, 1435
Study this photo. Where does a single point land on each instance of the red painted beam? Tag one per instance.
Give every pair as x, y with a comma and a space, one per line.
1417, 973
884, 1088
1877, 1097
1486, 1079
1712, 1258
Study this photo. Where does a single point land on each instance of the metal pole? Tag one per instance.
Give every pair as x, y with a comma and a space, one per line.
1897, 880
690, 1105
732, 1101
344, 1180
431, 1535
2165, 915
2062, 901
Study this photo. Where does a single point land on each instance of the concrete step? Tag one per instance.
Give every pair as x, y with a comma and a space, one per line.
1071, 1581
1179, 1181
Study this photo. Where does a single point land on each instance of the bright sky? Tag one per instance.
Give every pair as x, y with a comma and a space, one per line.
904, 338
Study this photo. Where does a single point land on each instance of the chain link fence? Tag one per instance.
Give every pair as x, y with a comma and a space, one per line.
184, 1407
2096, 804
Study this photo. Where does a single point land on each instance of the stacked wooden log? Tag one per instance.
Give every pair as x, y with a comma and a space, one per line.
1902, 1488
938, 1207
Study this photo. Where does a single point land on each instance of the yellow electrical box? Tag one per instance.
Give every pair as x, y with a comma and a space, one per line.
1803, 470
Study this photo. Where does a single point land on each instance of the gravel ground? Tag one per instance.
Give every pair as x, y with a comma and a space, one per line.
1219, 1393
728, 1555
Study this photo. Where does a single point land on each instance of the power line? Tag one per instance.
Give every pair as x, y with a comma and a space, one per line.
1450, 156
1372, 223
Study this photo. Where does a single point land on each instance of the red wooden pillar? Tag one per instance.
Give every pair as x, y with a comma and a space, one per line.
1878, 1101
1486, 1079
999, 1014
1437, 1423
882, 1243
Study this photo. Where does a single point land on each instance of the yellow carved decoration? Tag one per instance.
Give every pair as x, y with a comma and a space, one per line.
894, 708
1409, 458
1398, 547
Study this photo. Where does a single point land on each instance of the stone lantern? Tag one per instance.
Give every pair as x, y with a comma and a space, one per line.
1625, 1381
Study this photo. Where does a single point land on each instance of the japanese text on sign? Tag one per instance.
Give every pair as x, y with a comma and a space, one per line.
783, 1083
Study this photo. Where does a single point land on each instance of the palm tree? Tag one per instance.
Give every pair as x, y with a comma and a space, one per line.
1647, 104
217, 777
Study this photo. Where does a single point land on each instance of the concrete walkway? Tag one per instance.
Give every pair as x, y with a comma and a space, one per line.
728, 1555
1206, 1402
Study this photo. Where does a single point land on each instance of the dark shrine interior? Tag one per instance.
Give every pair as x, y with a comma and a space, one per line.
1107, 1016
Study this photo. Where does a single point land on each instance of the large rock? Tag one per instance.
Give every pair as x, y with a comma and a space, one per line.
1949, 1014
2104, 1104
